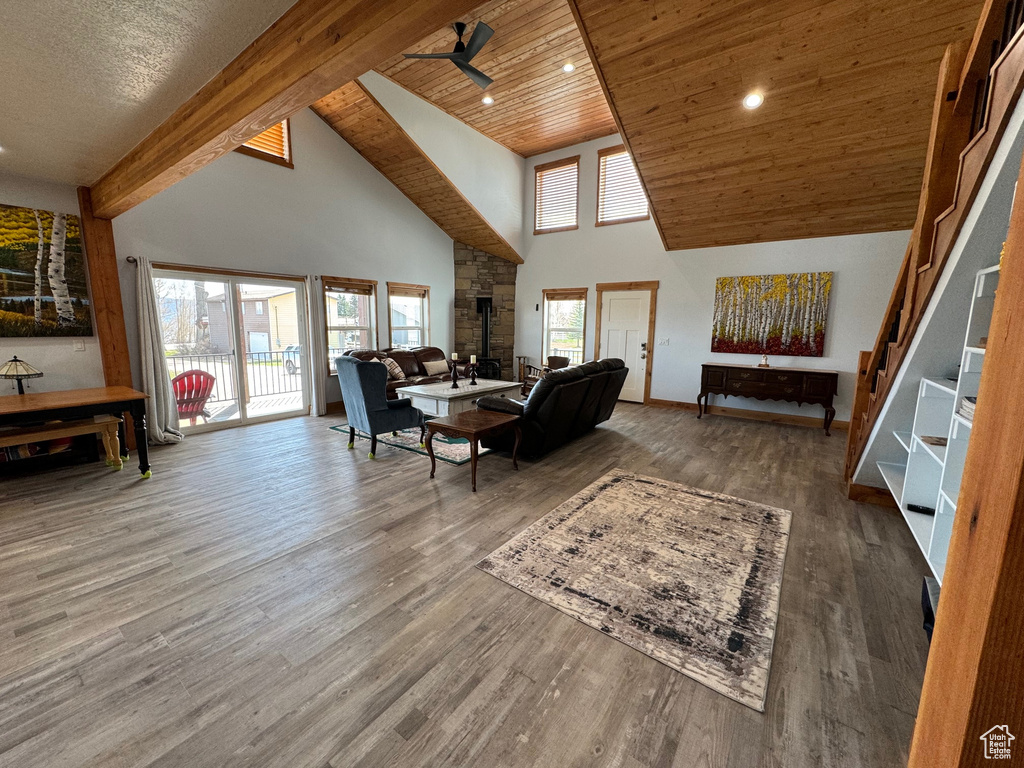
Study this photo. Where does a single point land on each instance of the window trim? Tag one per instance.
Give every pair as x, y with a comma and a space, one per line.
562, 294
410, 289
347, 285
553, 165
601, 154
259, 154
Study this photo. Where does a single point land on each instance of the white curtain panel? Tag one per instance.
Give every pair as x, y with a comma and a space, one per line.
161, 408
317, 351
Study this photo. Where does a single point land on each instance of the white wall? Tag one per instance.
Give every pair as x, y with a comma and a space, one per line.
489, 175
62, 365
332, 214
865, 268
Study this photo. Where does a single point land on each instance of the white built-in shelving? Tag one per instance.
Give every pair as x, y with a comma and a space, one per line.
932, 473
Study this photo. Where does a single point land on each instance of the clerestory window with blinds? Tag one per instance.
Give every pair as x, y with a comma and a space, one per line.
620, 195
273, 145
557, 196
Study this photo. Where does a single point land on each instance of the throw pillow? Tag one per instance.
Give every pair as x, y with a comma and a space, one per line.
394, 369
436, 367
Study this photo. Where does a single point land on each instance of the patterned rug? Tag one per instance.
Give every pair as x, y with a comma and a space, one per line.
453, 450
689, 577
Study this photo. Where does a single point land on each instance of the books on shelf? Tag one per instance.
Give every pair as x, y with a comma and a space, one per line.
967, 406
936, 441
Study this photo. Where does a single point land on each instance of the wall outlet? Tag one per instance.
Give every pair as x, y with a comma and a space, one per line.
663, 341
78, 345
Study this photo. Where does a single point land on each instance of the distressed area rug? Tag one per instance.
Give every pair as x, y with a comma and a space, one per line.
689, 577
453, 450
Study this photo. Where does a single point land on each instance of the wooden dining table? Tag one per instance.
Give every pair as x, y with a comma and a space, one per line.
22, 410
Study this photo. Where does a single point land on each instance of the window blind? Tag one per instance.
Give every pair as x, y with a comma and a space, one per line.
408, 289
565, 294
273, 144
557, 195
620, 196
349, 285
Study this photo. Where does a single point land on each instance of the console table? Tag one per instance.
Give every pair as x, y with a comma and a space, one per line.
796, 385
72, 404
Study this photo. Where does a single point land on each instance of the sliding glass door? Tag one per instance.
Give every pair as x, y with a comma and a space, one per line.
236, 347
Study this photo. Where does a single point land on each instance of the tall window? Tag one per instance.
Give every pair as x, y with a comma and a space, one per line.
557, 196
273, 145
565, 313
408, 315
350, 310
620, 195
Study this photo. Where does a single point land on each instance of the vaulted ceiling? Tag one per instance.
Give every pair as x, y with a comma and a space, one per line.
838, 146
537, 107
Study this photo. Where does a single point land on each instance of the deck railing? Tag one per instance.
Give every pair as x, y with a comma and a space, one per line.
266, 373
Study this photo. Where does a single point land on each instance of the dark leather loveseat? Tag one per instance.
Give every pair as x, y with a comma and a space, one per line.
411, 362
562, 406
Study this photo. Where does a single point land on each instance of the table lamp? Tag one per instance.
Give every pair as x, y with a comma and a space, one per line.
18, 369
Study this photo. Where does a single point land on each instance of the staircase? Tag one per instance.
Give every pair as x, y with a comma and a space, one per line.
980, 82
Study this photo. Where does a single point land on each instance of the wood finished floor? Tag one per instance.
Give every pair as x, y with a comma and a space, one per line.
269, 598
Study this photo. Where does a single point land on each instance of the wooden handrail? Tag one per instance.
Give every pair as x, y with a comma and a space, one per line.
979, 84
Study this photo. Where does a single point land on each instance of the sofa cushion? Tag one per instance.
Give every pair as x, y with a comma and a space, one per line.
394, 369
435, 367
407, 360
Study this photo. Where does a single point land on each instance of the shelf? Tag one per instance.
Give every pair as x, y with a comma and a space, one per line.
904, 439
963, 421
937, 452
921, 526
944, 386
948, 500
895, 475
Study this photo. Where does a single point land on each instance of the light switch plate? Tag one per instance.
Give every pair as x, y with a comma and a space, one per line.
663, 341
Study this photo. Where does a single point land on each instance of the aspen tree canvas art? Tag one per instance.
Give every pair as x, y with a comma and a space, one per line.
772, 314
43, 289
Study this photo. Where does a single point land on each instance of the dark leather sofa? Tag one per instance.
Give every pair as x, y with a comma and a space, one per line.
562, 406
411, 362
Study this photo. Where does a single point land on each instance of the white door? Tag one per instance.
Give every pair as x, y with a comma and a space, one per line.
624, 319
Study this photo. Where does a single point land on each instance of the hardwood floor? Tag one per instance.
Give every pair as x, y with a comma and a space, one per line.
270, 598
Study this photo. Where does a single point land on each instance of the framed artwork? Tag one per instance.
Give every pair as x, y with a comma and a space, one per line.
772, 314
43, 289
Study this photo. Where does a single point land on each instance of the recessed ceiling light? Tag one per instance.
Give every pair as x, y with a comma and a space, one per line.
753, 100
487, 100
569, 67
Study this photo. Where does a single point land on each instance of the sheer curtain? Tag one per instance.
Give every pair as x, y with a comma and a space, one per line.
161, 408
317, 351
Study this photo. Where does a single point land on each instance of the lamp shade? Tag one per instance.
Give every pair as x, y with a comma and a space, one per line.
18, 369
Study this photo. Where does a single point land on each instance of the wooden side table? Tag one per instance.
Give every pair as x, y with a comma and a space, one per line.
473, 425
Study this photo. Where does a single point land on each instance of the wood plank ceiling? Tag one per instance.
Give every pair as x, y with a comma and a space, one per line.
361, 121
838, 146
537, 107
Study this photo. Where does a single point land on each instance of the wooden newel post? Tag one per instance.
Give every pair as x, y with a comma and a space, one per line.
975, 675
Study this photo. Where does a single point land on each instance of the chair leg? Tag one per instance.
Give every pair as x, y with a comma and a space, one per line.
423, 431
351, 438
373, 446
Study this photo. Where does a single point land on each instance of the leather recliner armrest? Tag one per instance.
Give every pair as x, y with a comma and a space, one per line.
500, 404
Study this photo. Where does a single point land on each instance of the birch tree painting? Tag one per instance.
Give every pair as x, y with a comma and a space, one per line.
43, 289
772, 314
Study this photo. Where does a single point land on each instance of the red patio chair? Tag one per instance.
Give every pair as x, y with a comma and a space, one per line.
191, 391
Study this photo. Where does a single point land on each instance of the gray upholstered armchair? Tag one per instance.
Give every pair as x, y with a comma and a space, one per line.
363, 388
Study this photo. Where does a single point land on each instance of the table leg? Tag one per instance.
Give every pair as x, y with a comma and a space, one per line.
515, 448
700, 408
830, 413
430, 453
122, 437
138, 412
474, 449
115, 445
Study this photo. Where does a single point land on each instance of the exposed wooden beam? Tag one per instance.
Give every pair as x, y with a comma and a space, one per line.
359, 119
975, 666
316, 47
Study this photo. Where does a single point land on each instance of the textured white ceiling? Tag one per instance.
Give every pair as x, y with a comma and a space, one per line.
84, 81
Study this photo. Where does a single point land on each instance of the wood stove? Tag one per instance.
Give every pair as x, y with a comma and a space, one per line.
487, 367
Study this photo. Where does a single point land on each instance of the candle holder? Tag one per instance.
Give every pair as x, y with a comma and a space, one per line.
455, 374
472, 374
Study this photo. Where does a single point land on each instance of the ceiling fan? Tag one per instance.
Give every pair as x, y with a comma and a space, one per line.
463, 52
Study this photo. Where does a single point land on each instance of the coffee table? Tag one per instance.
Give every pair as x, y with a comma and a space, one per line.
473, 425
442, 400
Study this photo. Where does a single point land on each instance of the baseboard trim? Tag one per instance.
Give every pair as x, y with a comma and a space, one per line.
743, 413
868, 494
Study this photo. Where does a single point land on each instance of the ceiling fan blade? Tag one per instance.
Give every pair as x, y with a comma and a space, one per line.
473, 74
481, 34
432, 55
